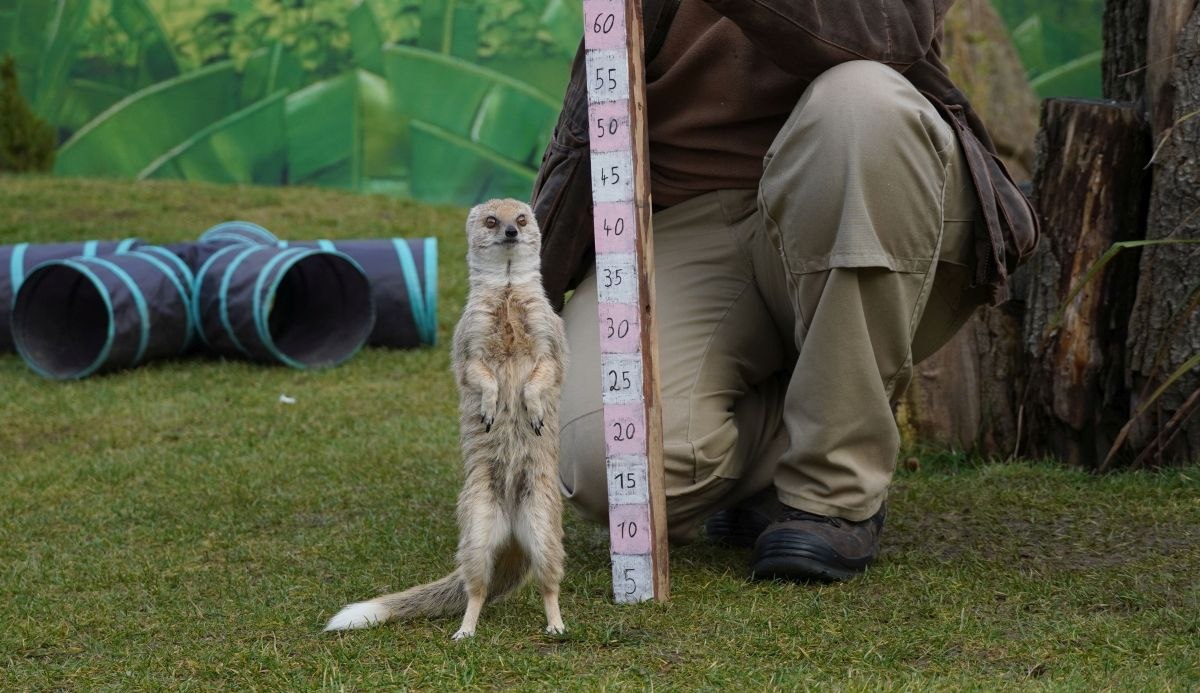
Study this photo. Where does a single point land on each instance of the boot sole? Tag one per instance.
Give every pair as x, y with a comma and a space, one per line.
797, 558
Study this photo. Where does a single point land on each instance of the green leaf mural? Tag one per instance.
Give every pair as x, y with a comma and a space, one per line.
1059, 43
446, 100
156, 56
366, 38
23, 27
83, 100
248, 146
269, 70
42, 36
135, 131
324, 133
448, 168
562, 23
450, 27
133, 87
483, 106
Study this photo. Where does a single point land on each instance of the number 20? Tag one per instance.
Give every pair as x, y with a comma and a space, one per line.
625, 432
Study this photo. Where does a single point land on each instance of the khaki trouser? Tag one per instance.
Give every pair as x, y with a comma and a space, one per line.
790, 317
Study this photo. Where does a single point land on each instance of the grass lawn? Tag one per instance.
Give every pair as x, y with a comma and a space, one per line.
176, 526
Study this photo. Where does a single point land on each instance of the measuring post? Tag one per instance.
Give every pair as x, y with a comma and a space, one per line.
625, 282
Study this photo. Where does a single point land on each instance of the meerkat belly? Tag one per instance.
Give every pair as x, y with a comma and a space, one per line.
510, 350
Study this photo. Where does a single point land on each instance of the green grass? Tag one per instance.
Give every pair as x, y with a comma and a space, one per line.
178, 527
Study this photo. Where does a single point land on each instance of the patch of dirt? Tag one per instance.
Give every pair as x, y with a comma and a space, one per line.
1072, 541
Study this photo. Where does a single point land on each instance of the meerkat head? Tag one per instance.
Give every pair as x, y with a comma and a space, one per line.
504, 241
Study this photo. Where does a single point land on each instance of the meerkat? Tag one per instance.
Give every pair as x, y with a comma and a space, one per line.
509, 355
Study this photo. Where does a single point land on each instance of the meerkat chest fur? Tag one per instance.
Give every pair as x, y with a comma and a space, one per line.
509, 337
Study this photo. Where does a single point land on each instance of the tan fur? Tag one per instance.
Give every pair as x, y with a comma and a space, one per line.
509, 354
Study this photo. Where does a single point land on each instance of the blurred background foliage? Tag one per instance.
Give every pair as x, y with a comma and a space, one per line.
442, 100
1060, 43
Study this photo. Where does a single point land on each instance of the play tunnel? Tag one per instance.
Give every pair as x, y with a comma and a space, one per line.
403, 276
16, 261
86, 308
305, 307
83, 315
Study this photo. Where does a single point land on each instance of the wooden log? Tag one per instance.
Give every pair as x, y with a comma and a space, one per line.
1124, 63
1164, 330
1091, 189
1163, 48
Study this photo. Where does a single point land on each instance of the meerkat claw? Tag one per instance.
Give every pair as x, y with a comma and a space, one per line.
537, 426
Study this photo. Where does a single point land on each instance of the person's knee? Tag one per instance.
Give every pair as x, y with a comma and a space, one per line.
867, 103
859, 86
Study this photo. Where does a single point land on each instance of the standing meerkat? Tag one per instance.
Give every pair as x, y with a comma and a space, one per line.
509, 355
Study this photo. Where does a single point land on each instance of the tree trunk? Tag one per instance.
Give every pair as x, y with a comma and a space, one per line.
1124, 63
1091, 189
1164, 325
1163, 46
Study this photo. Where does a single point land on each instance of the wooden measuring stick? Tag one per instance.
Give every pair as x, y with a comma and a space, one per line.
625, 282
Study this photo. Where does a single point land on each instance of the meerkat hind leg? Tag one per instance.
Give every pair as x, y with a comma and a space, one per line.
554, 622
484, 535
476, 596
540, 534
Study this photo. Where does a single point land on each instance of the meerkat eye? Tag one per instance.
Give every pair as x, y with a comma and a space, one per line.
521, 221
491, 222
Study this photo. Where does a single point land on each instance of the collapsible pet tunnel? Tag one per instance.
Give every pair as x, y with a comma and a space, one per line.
244, 293
403, 276
84, 315
16, 262
301, 306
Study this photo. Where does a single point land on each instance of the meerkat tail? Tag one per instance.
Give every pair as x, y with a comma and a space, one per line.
445, 597
442, 597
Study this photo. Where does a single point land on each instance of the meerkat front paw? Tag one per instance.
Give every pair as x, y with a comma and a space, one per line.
487, 410
536, 409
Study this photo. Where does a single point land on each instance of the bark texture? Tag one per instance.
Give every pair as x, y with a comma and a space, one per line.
1091, 190
1164, 331
1164, 46
1124, 63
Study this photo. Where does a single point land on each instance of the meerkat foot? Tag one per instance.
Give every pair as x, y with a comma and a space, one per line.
463, 635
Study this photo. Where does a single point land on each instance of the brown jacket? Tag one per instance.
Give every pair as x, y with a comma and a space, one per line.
804, 37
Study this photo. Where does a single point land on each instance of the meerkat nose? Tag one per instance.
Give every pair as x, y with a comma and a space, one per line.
510, 232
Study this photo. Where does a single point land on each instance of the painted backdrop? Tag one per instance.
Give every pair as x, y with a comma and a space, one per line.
442, 100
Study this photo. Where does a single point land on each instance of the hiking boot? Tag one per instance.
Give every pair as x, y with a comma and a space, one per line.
801, 545
740, 525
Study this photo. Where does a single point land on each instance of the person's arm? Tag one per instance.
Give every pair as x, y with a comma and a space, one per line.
807, 37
